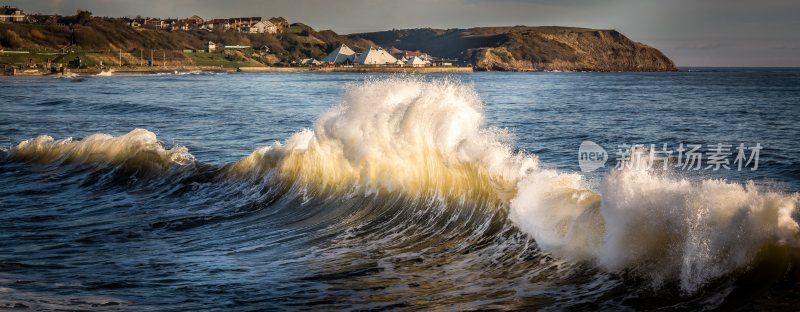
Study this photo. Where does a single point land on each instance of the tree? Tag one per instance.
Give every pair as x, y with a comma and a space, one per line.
83, 17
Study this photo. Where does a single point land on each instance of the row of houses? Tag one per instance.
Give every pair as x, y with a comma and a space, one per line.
344, 55
252, 25
9, 14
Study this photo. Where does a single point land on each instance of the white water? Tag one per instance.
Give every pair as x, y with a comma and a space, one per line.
399, 134
106, 73
100, 148
429, 137
661, 227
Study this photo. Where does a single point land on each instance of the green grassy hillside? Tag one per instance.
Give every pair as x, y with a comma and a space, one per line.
100, 39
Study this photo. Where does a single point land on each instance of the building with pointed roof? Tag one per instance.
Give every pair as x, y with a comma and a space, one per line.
263, 27
375, 56
341, 55
416, 62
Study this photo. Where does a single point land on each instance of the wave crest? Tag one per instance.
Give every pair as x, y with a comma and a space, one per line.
138, 147
399, 135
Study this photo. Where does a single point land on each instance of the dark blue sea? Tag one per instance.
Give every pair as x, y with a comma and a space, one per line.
323, 191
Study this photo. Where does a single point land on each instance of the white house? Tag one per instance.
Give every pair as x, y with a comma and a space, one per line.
264, 27
9, 14
155, 23
341, 55
375, 56
221, 24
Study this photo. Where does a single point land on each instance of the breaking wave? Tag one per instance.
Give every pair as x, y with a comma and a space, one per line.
661, 227
426, 144
100, 148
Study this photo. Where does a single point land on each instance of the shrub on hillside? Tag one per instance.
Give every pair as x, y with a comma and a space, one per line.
89, 38
234, 56
38, 35
11, 39
58, 29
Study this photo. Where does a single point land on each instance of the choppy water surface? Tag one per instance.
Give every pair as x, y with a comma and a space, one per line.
349, 191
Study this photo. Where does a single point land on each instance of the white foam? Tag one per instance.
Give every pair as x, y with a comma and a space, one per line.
100, 148
106, 73
658, 226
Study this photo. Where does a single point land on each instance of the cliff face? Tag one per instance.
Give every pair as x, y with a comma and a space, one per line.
523, 48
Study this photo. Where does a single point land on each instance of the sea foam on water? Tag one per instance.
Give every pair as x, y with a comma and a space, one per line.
421, 137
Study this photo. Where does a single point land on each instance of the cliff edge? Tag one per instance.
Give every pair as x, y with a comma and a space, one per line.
523, 48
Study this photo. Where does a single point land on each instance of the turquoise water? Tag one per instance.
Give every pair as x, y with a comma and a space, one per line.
406, 192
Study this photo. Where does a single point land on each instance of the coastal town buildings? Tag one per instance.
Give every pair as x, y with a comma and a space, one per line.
9, 14
309, 62
154, 23
197, 20
211, 47
280, 23
423, 56
194, 22
375, 56
218, 24
341, 55
243, 24
184, 25
262, 27
416, 61
251, 25
344, 55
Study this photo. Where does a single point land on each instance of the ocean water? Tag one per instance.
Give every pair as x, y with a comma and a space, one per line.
354, 191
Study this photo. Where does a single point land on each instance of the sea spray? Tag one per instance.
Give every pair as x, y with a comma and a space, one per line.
427, 139
399, 135
655, 225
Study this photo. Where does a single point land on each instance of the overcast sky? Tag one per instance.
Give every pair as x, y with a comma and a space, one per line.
690, 32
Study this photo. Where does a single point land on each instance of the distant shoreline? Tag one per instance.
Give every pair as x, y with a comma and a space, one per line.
153, 70
160, 70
